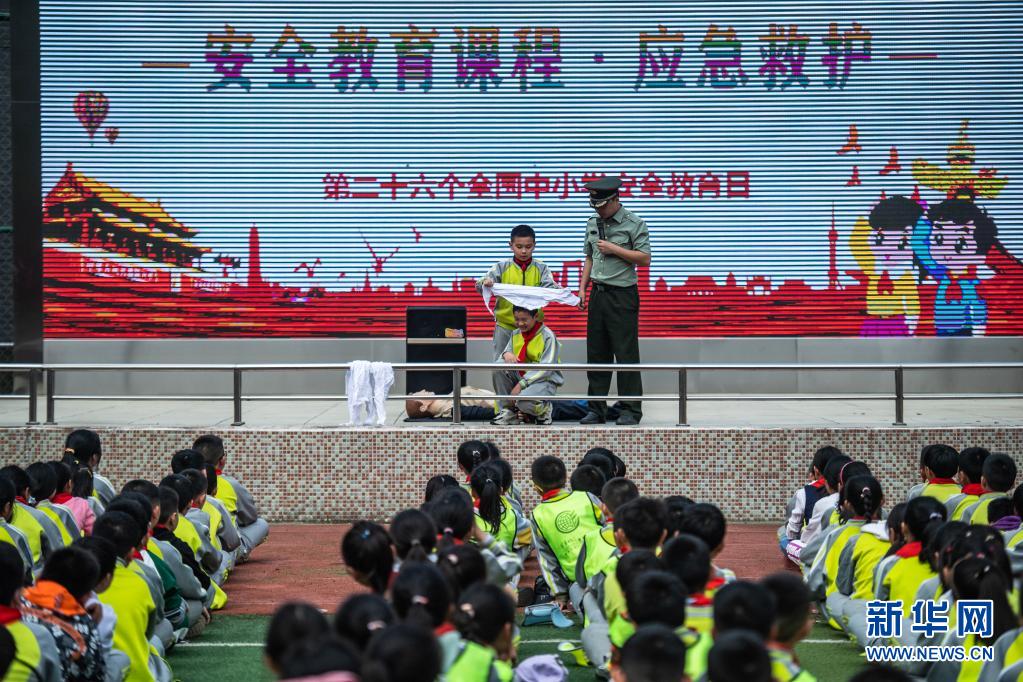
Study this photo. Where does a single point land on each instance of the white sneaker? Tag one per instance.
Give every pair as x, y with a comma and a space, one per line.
506, 417
547, 418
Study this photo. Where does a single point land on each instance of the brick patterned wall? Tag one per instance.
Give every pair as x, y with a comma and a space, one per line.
344, 474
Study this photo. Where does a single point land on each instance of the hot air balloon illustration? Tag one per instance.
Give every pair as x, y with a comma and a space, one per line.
112, 134
91, 109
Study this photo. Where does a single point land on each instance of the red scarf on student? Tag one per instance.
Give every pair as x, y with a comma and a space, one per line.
910, 549
443, 629
9, 615
21, 499
526, 338
61, 498
973, 489
523, 264
550, 493
941, 481
819, 483
219, 471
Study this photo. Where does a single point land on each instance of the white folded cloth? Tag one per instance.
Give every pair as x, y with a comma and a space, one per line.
528, 297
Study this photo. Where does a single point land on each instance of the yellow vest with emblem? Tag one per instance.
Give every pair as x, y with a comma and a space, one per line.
564, 523
131, 599
507, 529
600, 545
478, 663
27, 654
513, 274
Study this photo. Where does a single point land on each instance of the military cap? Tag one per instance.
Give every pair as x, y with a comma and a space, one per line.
602, 190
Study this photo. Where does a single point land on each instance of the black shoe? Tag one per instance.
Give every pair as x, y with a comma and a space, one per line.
627, 419
592, 418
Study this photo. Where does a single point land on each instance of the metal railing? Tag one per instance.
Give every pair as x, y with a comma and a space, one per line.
36, 372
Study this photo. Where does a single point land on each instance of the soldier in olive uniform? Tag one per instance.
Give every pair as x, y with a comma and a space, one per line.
616, 242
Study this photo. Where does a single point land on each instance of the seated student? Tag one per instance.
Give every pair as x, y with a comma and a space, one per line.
421, 597
10, 535
485, 617
1001, 515
706, 522
79, 507
513, 497
190, 531
599, 544
652, 597
437, 484
199, 514
971, 466
893, 525
587, 478
453, 515
508, 487
40, 530
128, 595
1013, 538
163, 533
939, 464
239, 502
290, 624
811, 536
187, 459
531, 343
323, 657
557, 550
924, 517
598, 637
739, 656
102, 614
82, 488
56, 602
654, 654
793, 622
463, 566
225, 536
495, 513
44, 487
830, 520
1007, 654
470, 455
676, 506
997, 478
688, 558
800, 507
84, 445
402, 652
739, 606
361, 616
414, 536
36, 657
366, 550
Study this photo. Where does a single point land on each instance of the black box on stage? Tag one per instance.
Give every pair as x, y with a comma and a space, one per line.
434, 334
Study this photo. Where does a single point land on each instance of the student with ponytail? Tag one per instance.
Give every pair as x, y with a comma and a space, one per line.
362, 616
422, 597
83, 446
366, 551
463, 566
414, 535
496, 513
470, 455
924, 518
403, 653
81, 500
485, 615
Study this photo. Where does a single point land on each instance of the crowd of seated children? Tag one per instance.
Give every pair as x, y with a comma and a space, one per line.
98, 585
955, 536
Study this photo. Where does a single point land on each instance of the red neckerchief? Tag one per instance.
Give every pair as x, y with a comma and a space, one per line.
975, 489
819, 483
219, 471
195, 506
9, 615
21, 499
713, 584
160, 526
550, 493
476, 503
526, 338
61, 498
941, 481
137, 555
910, 549
523, 264
457, 541
443, 629
700, 600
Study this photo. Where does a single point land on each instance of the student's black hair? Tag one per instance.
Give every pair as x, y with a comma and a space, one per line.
212, 480
833, 470
895, 213
948, 533
75, 569
44, 480
183, 487
998, 508
402, 653
894, 523
654, 654
644, 521
738, 656
187, 459
676, 506
361, 616
143, 487
617, 492
656, 597
453, 514
485, 482
852, 470
482, 612
63, 473
548, 472
792, 601
1017, 500
921, 511
505, 468
705, 521
863, 493
317, 655
971, 463
168, 504
999, 471
974, 578
522, 231
587, 478
743, 605
102, 550
120, 530
979, 542
292, 622
133, 508
937, 450
421, 595
688, 557
462, 566
822, 457
366, 548
16, 475
414, 535
532, 312
493, 449
943, 461
12, 573
82, 445
962, 211
7, 493
197, 480
880, 673
634, 564
211, 447
600, 458
471, 454
438, 483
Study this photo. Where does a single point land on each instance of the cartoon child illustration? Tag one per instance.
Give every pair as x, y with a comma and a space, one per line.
882, 248
952, 248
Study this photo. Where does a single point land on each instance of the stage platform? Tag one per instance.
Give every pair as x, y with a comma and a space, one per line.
303, 464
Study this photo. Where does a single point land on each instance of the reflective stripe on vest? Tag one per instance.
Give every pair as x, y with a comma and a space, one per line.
599, 548
513, 274
27, 654
564, 523
477, 663
507, 529
216, 518
534, 351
